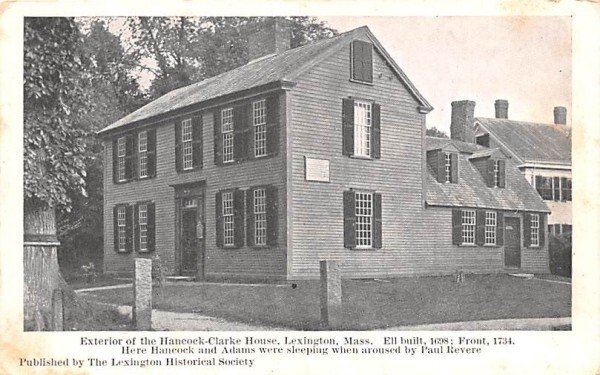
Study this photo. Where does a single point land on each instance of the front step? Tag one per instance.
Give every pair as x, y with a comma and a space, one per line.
180, 278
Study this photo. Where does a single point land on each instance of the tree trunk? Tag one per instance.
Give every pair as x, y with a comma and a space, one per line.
40, 267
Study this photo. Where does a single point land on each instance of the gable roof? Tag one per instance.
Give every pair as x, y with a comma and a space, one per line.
530, 142
282, 67
471, 189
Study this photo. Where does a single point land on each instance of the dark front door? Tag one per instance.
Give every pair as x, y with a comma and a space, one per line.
191, 238
512, 242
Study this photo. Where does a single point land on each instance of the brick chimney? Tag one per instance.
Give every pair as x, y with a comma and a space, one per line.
272, 36
560, 115
501, 108
462, 121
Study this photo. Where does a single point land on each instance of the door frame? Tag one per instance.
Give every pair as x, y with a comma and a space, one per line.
521, 242
187, 190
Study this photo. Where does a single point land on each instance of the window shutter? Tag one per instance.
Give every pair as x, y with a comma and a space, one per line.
151, 229
490, 172
272, 104
151, 154
349, 219
250, 217
480, 227
129, 228
377, 223
456, 226
527, 229
499, 228
542, 229
116, 227
238, 218
241, 130
441, 168
556, 193
563, 190
136, 227
272, 211
130, 159
348, 126
178, 147
197, 141
218, 137
502, 173
219, 219
454, 168
357, 63
115, 159
367, 61
538, 184
376, 132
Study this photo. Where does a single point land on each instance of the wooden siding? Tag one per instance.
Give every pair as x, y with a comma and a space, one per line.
243, 263
316, 129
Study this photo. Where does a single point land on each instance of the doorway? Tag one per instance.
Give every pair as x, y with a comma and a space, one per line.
191, 232
512, 242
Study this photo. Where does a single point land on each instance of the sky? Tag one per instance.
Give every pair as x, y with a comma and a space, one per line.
525, 60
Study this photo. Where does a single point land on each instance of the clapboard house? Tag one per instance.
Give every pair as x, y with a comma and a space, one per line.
303, 154
542, 152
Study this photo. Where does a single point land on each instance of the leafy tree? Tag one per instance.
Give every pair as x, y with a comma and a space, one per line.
435, 132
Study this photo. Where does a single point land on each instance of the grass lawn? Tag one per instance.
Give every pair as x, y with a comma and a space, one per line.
366, 304
79, 282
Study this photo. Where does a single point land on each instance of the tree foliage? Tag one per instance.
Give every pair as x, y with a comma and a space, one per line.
54, 166
435, 132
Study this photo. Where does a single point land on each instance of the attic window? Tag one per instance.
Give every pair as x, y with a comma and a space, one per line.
483, 140
444, 165
499, 173
361, 64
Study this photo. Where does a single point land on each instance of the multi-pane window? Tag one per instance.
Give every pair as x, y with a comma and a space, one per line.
260, 217
363, 120
448, 167
186, 140
143, 153
468, 226
535, 230
364, 219
496, 172
490, 227
227, 131
121, 155
553, 188
259, 120
121, 225
228, 219
143, 226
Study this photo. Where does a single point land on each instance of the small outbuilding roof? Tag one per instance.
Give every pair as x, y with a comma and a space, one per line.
471, 189
282, 67
529, 141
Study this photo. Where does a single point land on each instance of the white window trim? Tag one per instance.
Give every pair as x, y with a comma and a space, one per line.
122, 219
227, 132
228, 218
187, 138
143, 154
472, 226
535, 224
367, 213
259, 122
496, 173
448, 166
143, 226
121, 159
260, 216
492, 217
363, 128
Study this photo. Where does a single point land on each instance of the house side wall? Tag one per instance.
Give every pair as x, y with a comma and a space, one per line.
318, 220
241, 263
560, 211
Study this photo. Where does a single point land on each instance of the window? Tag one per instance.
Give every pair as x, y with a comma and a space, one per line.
143, 154
121, 155
448, 167
565, 189
186, 140
143, 227
468, 227
361, 64
362, 128
227, 131
553, 188
260, 217
496, 172
228, 219
122, 228
259, 120
189, 202
490, 228
535, 230
364, 220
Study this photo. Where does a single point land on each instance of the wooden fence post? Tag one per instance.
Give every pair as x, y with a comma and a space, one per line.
331, 294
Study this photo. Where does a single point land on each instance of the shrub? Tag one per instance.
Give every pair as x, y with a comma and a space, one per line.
560, 254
